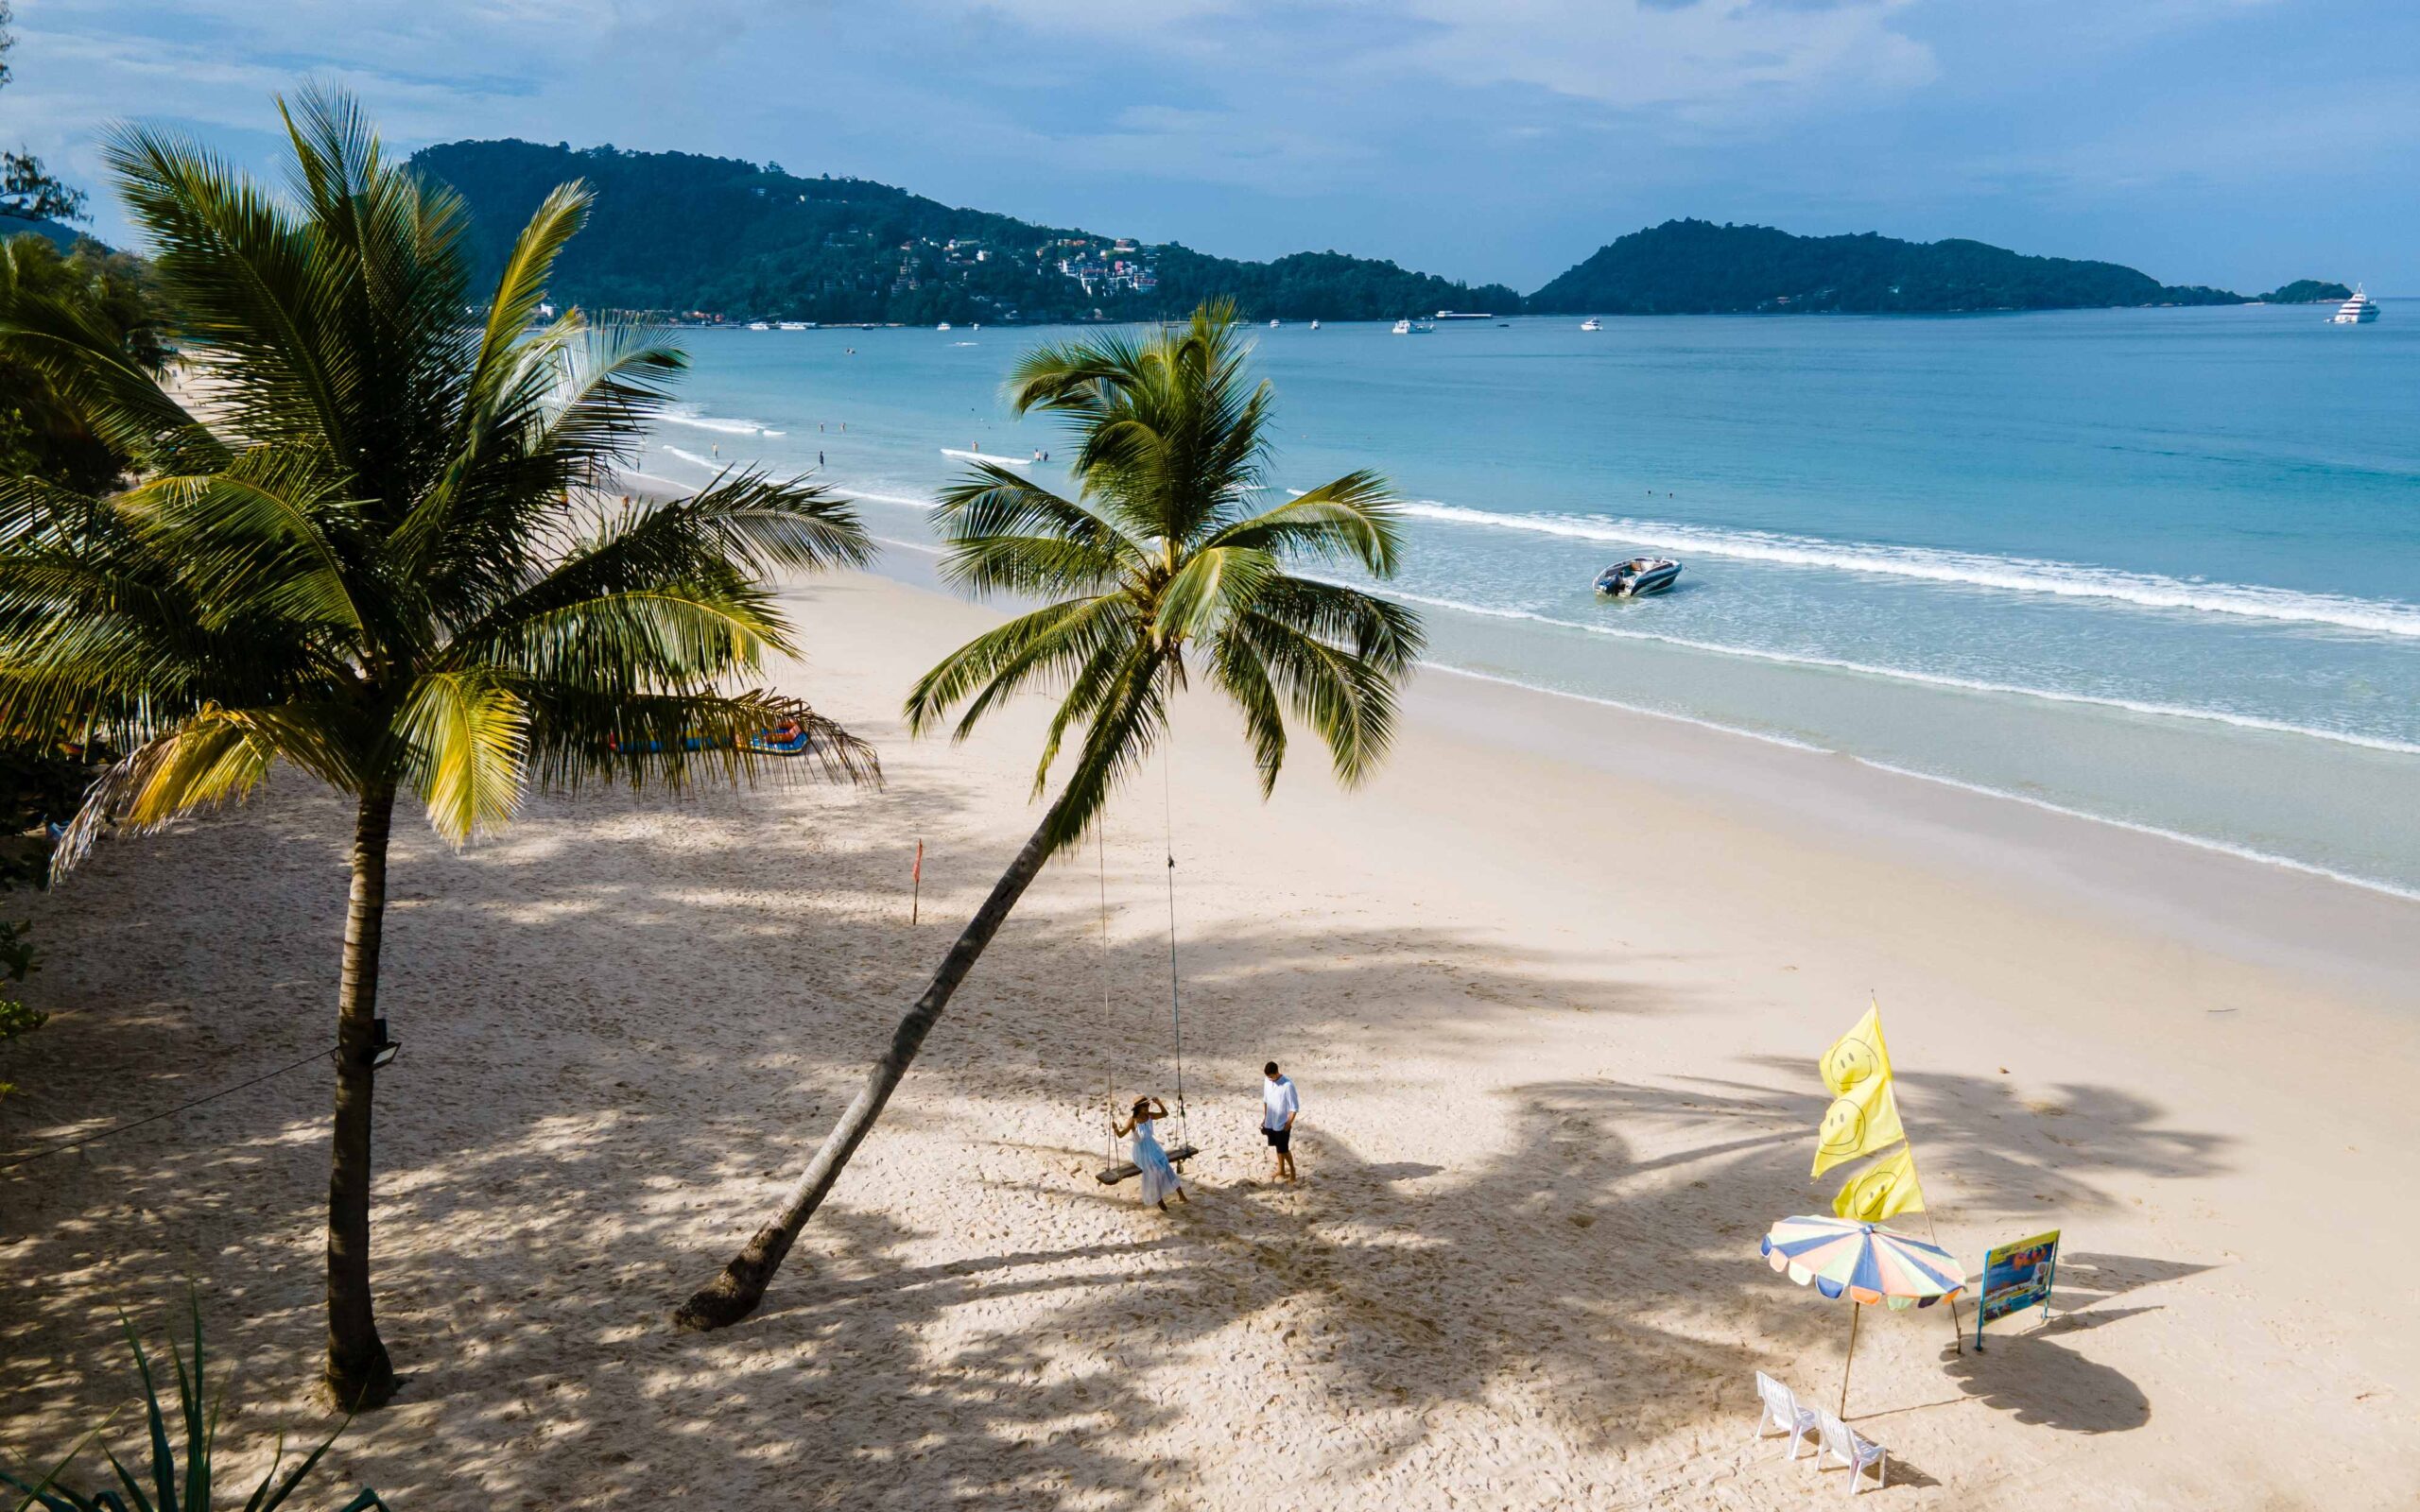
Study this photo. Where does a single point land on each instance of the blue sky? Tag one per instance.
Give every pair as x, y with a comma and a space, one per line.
2231, 142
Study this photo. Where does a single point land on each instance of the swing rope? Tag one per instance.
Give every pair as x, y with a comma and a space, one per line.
1176, 1001
1113, 1171
1109, 1067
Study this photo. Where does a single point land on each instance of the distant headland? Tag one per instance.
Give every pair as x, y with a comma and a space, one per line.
715, 239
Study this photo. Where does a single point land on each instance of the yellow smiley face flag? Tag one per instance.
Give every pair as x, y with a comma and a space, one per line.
1861, 1122
1857, 1056
1882, 1191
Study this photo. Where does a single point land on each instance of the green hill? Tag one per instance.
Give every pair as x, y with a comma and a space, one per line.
2307, 291
59, 235
673, 232
1695, 266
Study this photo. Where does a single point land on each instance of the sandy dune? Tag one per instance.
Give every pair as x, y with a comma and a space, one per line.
1554, 1022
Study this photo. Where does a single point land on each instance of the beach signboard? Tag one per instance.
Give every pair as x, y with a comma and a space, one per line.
2015, 1277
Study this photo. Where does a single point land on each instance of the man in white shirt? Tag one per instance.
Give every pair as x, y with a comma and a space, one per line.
1278, 1107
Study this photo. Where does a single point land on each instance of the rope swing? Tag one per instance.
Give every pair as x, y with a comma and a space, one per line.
1113, 1170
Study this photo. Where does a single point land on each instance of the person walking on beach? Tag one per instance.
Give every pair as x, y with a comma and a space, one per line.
1278, 1107
1160, 1179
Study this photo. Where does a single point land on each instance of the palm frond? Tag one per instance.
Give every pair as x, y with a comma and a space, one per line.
1215, 584
464, 736
1350, 518
1053, 641
676, 740
1131, 717
1237, 671
216, 756
1347, 700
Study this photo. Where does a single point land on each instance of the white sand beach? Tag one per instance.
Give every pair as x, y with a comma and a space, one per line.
1553, 989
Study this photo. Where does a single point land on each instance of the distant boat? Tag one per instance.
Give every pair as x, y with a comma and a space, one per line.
1272, 325
760, 325
943, 326
1592, 323
1413, 328
1464, 314
797, 325
1315, 325
2358, 310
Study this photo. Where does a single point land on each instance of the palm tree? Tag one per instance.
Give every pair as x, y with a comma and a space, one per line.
377, 547
1162, 566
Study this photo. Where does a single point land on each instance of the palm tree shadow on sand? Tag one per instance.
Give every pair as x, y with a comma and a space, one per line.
599, 1087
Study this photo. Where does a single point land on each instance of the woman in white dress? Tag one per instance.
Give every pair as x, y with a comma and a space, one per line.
1159, 1177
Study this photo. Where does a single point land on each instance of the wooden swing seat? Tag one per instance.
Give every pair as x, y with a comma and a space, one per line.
1127, 1169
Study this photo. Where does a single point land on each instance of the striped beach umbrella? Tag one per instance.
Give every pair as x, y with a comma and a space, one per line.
1865, 1262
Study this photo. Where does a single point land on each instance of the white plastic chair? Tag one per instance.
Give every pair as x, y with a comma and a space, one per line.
1842, 1443
1782, 1411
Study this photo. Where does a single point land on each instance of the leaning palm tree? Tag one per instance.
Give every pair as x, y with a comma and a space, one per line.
373, 540
1161, 566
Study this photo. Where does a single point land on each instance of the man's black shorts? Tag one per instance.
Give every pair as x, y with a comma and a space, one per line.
1280, 1140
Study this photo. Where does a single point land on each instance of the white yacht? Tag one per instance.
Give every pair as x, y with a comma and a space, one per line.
760, 325
1315, 325
1592, 323
1408, 327
1272, 325
2358, 310
943, 326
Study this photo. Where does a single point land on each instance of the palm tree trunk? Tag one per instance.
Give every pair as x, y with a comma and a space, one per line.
734, 1293
358, 1374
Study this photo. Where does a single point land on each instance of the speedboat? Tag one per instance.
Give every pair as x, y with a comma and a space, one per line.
1315, 325
1637, 578
1592, 323
2358, 310
943, 326
1272, 325
1408, 327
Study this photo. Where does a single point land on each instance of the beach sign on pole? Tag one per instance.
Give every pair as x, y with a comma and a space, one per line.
2015, 1277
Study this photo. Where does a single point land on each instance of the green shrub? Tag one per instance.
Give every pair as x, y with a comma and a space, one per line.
175, 1488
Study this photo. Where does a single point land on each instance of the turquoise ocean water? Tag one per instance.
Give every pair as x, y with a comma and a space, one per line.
2161, 567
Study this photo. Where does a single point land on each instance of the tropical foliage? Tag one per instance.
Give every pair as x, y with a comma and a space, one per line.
382, 544
112, 298
675, 231
1164, 567
27, 190
174, 1487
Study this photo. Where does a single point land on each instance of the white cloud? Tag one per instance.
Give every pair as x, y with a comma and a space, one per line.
1726, 57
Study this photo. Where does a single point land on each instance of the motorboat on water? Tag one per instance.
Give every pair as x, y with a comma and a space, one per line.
1315, 325
1408, 327
1272, 325
943, 326
2358, 310
1592, 323
1637, 578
